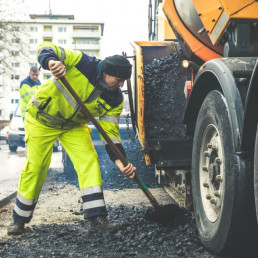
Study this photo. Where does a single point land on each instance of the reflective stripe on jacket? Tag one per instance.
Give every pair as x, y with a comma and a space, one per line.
28, 87
54, 106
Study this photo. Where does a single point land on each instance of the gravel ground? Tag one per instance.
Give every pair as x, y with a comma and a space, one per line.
57, 228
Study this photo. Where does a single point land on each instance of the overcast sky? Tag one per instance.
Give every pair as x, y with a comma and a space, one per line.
125, 20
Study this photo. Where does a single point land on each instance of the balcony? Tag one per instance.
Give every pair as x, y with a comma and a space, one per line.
47, 34
86, 46
85, 34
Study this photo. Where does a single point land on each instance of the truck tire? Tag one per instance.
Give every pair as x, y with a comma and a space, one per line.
221, 182
13, 148
256, 173
69, 170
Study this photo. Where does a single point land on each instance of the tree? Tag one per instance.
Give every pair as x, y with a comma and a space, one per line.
14, 50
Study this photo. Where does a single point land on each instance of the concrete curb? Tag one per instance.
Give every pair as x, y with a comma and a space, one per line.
7, 199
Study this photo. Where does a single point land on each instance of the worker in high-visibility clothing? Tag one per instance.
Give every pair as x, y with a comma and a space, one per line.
28, 87
53, 113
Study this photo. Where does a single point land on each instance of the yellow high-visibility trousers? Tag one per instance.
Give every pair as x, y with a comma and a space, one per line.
77, 142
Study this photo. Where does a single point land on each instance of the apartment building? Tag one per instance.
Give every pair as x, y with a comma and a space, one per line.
62, 30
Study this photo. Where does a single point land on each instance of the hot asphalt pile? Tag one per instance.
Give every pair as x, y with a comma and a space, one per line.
164, 97
136, 236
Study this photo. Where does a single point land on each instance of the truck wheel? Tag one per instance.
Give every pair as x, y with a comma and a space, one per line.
13, 148
220, 181
69, 170
256, 173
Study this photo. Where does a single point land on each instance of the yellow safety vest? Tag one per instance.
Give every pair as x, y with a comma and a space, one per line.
28, 87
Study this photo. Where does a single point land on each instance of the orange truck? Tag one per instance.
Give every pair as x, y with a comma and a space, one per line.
211, 165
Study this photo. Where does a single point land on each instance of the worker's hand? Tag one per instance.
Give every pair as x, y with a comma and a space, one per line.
128, 171
57, 68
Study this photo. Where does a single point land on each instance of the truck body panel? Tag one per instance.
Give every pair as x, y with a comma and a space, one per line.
165, 152
196, 47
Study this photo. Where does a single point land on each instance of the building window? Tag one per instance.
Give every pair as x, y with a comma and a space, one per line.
85, 28
16, 28
15, 53
16, 41
15, 77
62, 41
47, 39
33, 41
14, 101
47, 28
33, 29
33, 64
85, 41
15, 64
61, 29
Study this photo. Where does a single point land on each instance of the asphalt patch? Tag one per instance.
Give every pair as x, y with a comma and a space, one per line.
165, 214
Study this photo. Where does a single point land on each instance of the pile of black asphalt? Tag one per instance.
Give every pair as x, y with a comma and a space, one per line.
136, 236
165, 101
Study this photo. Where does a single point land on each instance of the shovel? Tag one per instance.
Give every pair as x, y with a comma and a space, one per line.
118, 153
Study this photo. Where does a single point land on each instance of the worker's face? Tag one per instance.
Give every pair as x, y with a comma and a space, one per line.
113, 82
34, 76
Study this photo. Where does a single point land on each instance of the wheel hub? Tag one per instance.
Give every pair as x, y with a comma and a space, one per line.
211, 173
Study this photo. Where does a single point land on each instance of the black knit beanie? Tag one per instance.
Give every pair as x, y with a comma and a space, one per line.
117, 66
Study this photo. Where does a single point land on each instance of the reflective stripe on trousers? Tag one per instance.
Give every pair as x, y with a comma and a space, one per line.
23, 209
93, 201
77, 143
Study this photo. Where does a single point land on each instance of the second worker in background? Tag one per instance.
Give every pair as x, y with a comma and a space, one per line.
28, 88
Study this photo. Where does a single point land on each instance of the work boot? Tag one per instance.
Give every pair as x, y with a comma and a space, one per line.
100, 224
15, 228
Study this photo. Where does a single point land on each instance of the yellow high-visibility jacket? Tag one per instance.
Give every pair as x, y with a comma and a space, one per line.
28, 87
54, 106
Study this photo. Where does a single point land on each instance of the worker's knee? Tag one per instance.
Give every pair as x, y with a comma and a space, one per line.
36, 165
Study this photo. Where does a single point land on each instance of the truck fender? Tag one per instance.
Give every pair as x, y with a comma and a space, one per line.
219, 74
251, 114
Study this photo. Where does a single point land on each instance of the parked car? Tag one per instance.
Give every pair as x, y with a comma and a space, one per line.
3, 132
56, 146
16, 133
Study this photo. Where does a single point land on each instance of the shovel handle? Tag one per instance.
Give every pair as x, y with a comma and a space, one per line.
118, 153
94, 121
